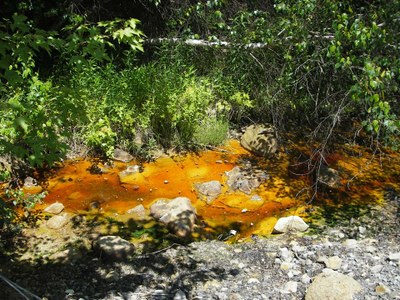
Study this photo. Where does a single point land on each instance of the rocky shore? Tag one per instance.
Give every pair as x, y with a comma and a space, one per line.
357, 259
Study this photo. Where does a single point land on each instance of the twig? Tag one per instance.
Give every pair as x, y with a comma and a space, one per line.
19, 289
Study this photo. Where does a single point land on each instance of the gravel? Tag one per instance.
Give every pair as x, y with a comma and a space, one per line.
278, 267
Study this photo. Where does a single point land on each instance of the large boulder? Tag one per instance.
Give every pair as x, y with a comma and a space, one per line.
260, 140
334, 286
113, 248
208, 191
245, 180
292, 223
177, 214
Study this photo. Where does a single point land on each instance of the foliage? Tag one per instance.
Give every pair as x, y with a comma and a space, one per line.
87, 42
13, 200
320, 63
211, 131
161, 103
36, 115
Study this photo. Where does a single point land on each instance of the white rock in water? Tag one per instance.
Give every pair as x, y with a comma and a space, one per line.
54, 208
292, 223
139, 211
334, 286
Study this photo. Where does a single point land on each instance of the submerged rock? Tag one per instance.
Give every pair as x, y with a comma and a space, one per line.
54, 208
113, 248
177, 214
260, 140
131, 175
328, 177
332, 285
245, 180
209, 191
292, 223
121, 155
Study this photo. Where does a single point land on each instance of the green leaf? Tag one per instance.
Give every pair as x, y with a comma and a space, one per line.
21, 122
373, 84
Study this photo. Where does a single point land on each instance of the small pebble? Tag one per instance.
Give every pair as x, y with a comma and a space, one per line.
382, 289
253, 281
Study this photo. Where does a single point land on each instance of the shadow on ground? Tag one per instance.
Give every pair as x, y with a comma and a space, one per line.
165, 267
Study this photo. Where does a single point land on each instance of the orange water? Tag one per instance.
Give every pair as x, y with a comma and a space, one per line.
363, 179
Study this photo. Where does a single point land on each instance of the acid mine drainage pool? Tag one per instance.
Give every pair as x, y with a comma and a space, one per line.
233, 192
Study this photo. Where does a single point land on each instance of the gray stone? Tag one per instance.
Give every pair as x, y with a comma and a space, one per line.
289, 287
333, 262
376, 269
30, 182
178, 214
285, 254
305, 279
121, 155
245, 180
260, 140
350, 243
209, 191
394, 256
57, 222
179, 295
113, 248
54, 208
292, 223
138, 211
286, 266
334, 286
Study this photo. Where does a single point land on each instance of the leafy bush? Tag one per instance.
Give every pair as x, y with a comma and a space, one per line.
211, 131
36, 116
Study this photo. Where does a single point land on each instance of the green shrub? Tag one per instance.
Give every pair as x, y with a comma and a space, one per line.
211, 131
